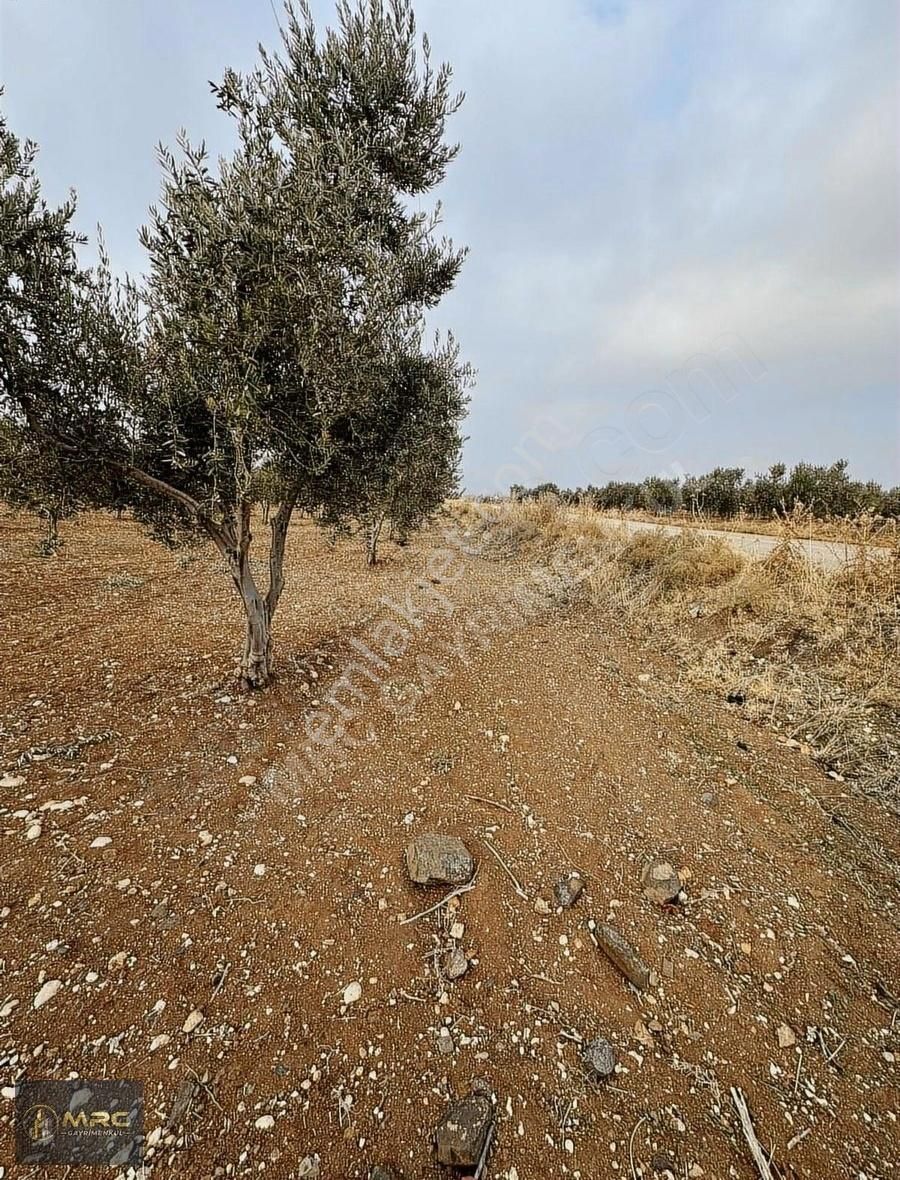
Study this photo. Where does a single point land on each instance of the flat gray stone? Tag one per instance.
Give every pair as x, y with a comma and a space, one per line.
622, 956
443, 860
463, 1131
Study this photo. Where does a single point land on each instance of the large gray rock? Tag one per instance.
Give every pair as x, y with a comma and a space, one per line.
443, 860
661, 882
463, 1131
623, 956
599, 1056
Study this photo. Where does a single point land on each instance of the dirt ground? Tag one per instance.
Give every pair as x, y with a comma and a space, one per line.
251, 881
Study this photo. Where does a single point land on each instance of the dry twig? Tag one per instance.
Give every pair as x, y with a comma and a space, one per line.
437, 905
489, 802
759, 1157
518, 888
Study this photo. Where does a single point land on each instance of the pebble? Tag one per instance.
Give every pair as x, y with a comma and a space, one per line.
33, 832
461, 1134
47, 992
193, 1021
432, 858
568, 890
264, 1123
599, 1056
786, 1036
101, 841
661, 882
455, 964
351, 993
622, 955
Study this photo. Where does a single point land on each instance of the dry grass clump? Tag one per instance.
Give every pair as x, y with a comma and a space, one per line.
680, 562
814, 653
530, 529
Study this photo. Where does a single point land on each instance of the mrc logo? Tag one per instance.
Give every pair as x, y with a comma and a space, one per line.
79, 1122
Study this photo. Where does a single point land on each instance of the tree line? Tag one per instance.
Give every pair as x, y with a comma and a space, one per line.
823, 491
276, 350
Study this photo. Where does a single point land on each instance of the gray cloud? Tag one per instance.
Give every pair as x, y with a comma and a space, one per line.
636, 181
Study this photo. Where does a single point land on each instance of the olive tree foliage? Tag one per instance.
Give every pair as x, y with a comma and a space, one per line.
286, 285
412, 464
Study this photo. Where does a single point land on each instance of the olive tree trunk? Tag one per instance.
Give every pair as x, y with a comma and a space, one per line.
373, 533
257, 664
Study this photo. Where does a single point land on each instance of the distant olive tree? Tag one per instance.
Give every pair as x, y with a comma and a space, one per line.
412, 466
34, 480
660, 495
283, 283
823, 491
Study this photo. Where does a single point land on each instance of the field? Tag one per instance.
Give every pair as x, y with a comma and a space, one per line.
563, 703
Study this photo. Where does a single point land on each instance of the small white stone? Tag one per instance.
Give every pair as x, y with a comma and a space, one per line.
786, 1036
159, 1042
352, 992
47, 992
259, 870
101, 841
193, 1021
205, 838
264, 1123
33, 832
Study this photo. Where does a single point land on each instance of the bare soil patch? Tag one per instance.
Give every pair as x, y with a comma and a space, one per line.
243, 883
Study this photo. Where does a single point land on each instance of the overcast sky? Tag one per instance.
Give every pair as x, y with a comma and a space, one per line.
683, 215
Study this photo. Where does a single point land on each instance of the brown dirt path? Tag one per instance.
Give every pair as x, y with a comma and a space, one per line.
296, 886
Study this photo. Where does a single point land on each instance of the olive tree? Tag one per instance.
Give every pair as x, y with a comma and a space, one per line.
36, 271
410, 466
283, 284
32, 479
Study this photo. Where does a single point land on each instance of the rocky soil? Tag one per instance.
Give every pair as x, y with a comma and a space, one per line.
652, 939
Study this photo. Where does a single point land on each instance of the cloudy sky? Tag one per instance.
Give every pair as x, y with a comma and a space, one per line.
683, 215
